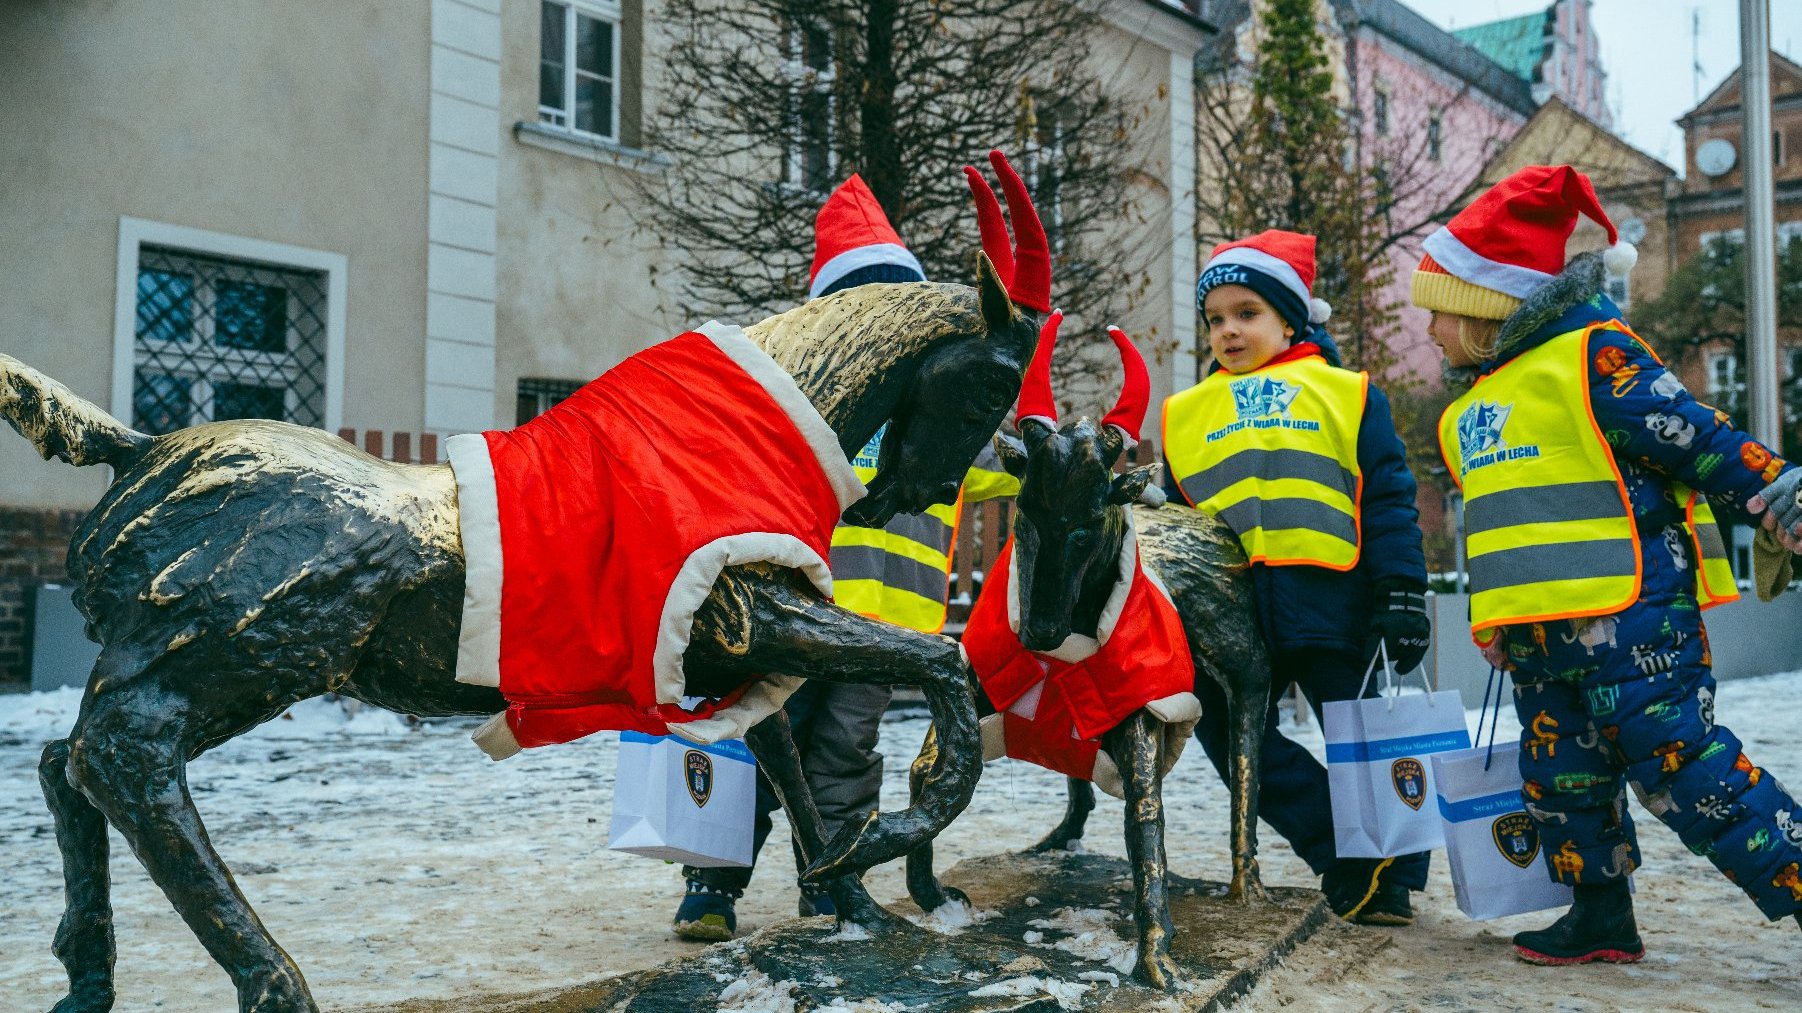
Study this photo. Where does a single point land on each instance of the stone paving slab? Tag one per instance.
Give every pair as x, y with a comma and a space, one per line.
1221, 949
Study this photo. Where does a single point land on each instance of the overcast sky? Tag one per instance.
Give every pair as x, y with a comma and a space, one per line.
1647, 53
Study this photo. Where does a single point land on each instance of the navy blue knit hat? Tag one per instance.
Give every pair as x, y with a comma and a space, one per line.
1275, 264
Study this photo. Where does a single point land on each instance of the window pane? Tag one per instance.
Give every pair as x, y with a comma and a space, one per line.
165, 305
160, 404
594, 105
594, 46
246, 401
816, 141
250, 316
550, 55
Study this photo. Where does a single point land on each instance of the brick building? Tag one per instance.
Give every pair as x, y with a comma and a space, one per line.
1710, 205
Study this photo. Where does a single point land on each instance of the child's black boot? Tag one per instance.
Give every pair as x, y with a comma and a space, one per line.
1599, 926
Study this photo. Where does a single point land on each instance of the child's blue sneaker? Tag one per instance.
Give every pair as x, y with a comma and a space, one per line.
706, 915
816, 902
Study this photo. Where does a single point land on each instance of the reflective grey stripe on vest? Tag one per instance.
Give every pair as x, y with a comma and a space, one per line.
1709, 536
1530, 564
1278, 514
1538, 504
1269, 464
923, 528
866, 562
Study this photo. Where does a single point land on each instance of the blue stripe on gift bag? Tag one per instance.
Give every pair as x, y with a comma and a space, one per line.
1389, 749
731, 749
1482, 807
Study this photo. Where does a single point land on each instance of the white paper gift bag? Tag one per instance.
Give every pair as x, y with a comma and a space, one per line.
683, 802
1490, 841
1378, 772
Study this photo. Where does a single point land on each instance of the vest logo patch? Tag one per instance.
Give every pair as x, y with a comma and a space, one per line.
1480, 442
1262, 402
1410, 780
1516, 838
871, 452
698, 768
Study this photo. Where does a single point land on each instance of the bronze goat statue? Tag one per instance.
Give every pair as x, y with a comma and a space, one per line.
1109, 608
234, 568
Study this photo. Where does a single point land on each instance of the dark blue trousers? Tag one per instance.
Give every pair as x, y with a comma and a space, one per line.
1627, 700
1292, 794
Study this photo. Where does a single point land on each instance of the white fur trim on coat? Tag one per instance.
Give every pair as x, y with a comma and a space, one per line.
479, 521
782, 389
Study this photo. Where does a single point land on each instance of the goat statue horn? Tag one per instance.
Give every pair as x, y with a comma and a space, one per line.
1128, 413
995, 240
1036, 400
1025, 265
1031, 283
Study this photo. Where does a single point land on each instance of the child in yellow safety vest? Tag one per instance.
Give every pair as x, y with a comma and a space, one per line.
898, 573
1300, 457
1592, 553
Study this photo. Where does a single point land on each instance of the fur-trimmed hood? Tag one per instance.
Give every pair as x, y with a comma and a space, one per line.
1571, 300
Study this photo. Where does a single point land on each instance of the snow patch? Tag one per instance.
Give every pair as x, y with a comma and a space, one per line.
951, 918
1090, 936
1108, 976
1067, 993
849, 932
754, 992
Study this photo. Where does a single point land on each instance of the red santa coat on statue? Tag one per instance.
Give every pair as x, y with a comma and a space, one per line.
1054, 706
594, 532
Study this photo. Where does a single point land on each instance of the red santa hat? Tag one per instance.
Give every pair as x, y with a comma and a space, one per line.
851, 233
1275, 264
1493, 255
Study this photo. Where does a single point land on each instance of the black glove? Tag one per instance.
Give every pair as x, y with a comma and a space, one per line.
1398, 619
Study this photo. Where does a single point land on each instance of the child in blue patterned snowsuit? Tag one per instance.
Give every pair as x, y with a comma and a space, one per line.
1625, 699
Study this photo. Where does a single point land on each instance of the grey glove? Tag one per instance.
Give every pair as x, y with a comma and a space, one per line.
1783, 500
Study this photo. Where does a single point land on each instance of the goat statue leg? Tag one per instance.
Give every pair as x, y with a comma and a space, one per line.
1134, 745
1079, 801
1248, 702
762, 619
922, 883
773, 743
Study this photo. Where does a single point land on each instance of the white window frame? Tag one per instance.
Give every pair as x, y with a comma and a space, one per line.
1733, 388
804, 79
600, 10
136, 233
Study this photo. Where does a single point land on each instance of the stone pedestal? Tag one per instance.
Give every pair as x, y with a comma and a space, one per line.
1054, 933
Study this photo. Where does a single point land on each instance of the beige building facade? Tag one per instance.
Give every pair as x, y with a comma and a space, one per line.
415, 217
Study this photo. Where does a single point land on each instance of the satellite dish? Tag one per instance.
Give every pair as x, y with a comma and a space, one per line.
1716, 157
1633, 230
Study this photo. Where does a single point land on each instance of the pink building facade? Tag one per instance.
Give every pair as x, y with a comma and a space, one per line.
1431, 111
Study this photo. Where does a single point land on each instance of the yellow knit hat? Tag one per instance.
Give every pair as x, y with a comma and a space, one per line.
1436, 289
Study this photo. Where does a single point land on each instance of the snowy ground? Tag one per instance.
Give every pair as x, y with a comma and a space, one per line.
397, 863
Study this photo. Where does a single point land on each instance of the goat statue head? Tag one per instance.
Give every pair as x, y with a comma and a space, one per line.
960, 393
1071, 515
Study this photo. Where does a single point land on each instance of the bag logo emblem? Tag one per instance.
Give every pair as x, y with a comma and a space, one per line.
699, 769
1410, 780
1516, 838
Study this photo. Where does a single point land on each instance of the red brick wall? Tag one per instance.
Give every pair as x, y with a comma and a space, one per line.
33, 547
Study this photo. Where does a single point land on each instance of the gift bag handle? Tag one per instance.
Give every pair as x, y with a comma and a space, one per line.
1391, 690
1495, 716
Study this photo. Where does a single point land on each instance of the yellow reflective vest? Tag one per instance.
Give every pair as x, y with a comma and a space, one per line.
900, 572
1548, 524
1274, 454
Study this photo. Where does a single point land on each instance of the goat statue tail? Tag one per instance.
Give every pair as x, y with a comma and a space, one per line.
62, 424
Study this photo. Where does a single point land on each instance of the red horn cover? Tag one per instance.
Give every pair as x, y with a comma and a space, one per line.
1128, 413
1036, 400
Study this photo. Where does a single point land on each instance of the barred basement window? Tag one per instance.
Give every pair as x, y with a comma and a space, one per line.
217, 338
538, 395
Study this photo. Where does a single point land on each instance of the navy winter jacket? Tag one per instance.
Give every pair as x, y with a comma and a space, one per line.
1310, 606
